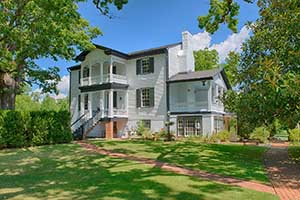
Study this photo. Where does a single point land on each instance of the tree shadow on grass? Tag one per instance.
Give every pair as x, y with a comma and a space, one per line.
231, 160
69, 172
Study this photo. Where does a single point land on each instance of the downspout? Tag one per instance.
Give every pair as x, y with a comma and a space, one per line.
167, 89
69, 89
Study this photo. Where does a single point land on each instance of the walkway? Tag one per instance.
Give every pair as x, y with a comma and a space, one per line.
283, 173
185, 171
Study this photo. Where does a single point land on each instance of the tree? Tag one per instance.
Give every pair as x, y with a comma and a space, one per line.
206, 59
25, 102
32, 29
222, 11
269, 73
231, 66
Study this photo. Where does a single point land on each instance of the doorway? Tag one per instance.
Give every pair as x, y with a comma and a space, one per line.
189, 126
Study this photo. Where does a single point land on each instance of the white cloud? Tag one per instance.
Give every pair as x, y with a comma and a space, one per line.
63, 85
232, 43
201, 41
59, 96
63, 88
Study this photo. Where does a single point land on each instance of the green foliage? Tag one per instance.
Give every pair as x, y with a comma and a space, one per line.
163, 133
30, 30
24, 128
221, 11
231, 66
294, 135
261, 134
25, 102
31, 102
223, 135
140, 129
268, 77
294, 152
206, 59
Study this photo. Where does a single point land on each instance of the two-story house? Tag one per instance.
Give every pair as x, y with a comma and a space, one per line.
111, 91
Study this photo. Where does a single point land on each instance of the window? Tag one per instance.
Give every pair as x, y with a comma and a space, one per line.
79, 103
86, 72
145, 97
180, 127
86, 102
218, 124
145, 66
147, 123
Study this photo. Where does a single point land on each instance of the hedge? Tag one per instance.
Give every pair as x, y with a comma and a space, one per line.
25, 128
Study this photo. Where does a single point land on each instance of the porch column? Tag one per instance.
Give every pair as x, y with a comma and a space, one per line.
102, 102
110, 70
90, 73
110, 103
90, 103
101, 72
126, 102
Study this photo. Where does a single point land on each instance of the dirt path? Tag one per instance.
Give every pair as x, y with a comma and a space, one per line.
283, 173
185, 171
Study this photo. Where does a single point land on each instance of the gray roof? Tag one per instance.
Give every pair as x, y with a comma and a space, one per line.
205, 74
199, 75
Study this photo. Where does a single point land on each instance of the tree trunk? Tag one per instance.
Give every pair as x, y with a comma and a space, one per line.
8, 91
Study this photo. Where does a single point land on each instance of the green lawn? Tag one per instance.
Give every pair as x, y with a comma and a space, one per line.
294, 152
70, 172
233, 160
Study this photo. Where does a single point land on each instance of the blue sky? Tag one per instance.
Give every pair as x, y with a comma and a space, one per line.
143, 24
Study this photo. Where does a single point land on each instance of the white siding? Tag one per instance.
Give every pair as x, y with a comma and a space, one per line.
74, 92
156, 114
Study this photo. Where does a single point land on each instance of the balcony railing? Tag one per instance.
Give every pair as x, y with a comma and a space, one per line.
188, 106
119, 112
106, 78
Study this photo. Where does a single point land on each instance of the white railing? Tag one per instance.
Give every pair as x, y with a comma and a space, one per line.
105, 78
189, 106
119, 112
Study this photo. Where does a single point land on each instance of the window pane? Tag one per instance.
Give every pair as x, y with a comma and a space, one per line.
145, 66
145, 97
147, 123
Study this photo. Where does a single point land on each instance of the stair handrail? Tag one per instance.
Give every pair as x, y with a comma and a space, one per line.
77, 120
93, 120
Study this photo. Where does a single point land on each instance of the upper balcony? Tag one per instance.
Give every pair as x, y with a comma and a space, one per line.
101, 73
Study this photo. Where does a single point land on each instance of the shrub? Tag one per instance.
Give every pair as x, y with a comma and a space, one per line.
140, 129
261, 134
223, 135
167, 136
24, 128
294, 135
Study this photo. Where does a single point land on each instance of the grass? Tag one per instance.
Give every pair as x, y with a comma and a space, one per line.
232, 160
294, 152
69, 172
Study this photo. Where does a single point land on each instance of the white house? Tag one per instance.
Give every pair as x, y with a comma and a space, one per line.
111, 91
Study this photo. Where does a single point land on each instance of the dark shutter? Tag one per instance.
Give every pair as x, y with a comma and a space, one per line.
114, 69
138, 98
152, 99
79, 103
138, 67
151, 62
115, 96
79, 76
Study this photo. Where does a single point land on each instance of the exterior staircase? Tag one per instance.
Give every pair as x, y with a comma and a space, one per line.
81, 127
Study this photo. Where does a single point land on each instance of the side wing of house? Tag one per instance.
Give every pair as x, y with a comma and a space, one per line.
194, 102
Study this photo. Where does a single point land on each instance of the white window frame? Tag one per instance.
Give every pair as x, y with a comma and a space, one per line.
145, 97
145, 66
